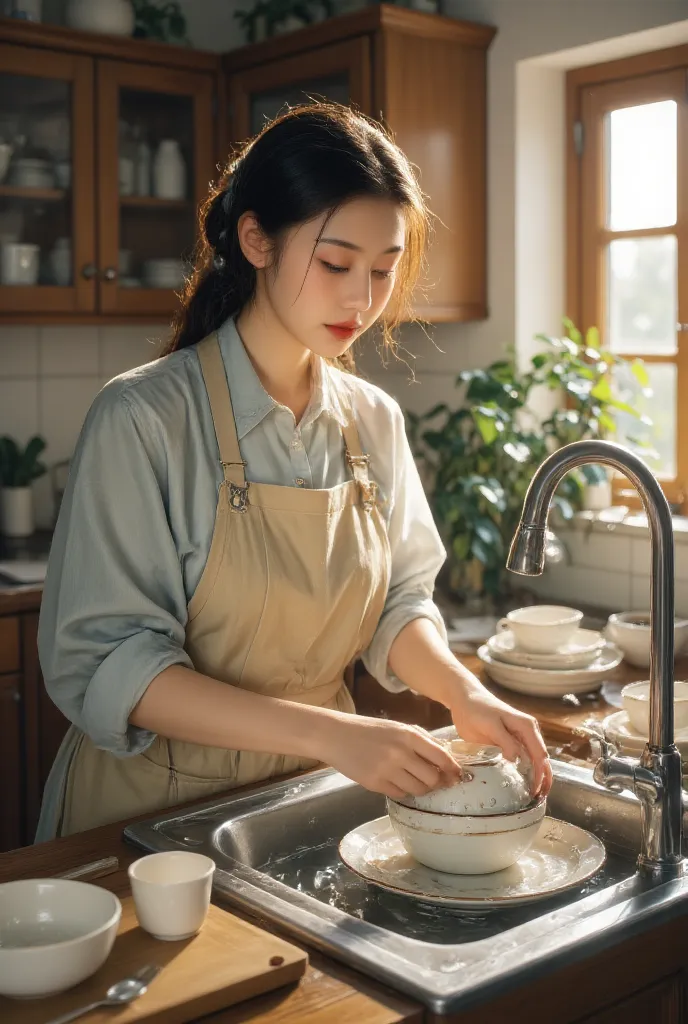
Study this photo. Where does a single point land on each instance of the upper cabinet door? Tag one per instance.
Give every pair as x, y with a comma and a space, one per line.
155, 156
340, 72
47, 236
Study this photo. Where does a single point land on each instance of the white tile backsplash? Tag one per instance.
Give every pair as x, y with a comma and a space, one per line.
122, 348
69, 351
574, 584
19, 408
640, 595
64, 404
49, 377
593, 550
18, 351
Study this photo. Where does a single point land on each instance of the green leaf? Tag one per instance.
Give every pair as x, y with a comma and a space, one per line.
486, 424
572, 331
564, 505
495, 495
517, 451
592, 339
539, 360
640, 373
594, 473
461, 545
480, 551
607, 423
602, 390
488, 533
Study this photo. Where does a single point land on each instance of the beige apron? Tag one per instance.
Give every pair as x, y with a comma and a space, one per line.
292, 592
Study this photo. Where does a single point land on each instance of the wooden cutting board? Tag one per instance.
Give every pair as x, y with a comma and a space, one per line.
228, 961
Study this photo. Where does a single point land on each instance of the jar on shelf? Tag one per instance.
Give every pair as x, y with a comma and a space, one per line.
169, 171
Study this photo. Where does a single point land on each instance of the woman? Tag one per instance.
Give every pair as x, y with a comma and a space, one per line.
243, 518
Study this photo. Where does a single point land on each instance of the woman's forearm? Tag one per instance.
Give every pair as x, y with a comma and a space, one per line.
420, 658
181, 704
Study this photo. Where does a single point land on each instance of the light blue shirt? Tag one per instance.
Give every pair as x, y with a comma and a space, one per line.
137, 518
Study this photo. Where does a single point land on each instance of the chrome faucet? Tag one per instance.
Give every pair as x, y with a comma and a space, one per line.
656, 777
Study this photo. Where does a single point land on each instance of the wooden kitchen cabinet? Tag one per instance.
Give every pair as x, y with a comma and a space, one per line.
425, 77
76, 105
31, 730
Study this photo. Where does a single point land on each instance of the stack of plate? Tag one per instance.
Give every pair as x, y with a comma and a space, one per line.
580, 666
628, 740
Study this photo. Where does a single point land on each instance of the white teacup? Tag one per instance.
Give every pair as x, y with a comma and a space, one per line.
542, 628
172, 893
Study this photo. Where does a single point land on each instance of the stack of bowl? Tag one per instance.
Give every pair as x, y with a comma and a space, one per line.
629, 729
543, 652
482, 824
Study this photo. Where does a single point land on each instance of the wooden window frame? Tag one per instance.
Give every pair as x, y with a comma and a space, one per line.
642, 78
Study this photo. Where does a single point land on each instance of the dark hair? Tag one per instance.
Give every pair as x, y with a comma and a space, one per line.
309, 160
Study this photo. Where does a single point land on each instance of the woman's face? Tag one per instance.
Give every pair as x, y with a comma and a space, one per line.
345, 278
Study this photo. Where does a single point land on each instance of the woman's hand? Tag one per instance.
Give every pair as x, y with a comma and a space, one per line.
480, 717
388, 757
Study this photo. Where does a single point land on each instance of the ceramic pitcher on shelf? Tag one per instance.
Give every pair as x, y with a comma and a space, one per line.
169, 171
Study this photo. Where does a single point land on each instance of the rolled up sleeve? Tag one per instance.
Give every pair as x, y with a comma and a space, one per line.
417, 556
113, 613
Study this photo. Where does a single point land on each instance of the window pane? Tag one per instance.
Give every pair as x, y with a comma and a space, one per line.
641, 295
660, 407
642, 166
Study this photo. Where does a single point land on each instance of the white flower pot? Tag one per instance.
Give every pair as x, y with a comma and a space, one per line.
597, 497
16, 511
112, 17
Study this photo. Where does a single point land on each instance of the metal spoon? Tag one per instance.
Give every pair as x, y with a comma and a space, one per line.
119, 994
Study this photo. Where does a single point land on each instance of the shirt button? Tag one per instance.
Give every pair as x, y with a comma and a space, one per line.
300, 482
295, 443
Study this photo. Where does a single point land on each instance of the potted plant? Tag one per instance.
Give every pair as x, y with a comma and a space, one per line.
18, 469
478, 459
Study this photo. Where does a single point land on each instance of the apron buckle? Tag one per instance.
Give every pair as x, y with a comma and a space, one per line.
368, 495
357, 460
238, 497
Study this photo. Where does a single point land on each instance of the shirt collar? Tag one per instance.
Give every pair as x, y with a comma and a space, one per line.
251, 402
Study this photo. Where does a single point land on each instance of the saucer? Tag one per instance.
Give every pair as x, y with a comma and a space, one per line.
562, 857
539, 682
580, 651
620, 732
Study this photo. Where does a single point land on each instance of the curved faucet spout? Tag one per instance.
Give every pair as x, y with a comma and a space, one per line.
656, 779
527, 557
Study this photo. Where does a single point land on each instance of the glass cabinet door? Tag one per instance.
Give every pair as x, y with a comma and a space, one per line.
155, 158
340, 73
47, 237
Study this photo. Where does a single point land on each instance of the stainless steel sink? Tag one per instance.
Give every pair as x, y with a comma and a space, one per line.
276, 855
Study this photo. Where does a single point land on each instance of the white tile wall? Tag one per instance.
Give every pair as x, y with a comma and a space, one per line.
610, 569
49, 377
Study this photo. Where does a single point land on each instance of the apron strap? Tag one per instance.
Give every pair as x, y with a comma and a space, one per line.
358, 461
220, 399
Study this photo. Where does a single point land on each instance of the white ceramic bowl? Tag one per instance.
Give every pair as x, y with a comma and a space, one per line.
631, 632
542, 628
491, 784
53, 934
466, 844
636, 702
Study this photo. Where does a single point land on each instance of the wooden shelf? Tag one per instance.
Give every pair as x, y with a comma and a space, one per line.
22, 192
153, 203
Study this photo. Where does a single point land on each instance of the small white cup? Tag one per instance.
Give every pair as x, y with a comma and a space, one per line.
172, 893
542, 628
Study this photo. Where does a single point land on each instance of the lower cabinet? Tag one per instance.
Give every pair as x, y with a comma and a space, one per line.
31, 730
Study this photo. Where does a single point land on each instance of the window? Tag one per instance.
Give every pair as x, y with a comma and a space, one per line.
628, 237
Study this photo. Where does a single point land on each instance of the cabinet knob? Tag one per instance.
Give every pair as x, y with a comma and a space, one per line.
110, 274
682, 327
89, 271
16, 696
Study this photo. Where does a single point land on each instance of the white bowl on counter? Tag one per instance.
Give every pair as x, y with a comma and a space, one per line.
464, 844
54, 933
630, 631
636, 702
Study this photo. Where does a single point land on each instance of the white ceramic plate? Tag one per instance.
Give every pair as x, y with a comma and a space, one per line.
620, 732
562, 857
583, 649
540, 682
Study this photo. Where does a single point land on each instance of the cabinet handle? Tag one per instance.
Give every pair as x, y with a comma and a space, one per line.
16, 696
89, 270
110, 274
